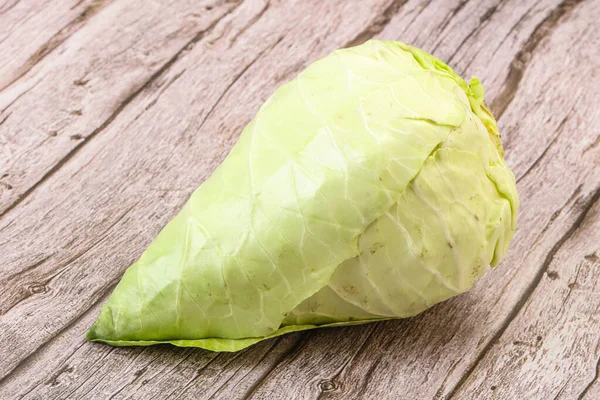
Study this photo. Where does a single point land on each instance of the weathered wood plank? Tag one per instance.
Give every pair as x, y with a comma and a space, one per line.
30, 30
68, 244
58, 252
80, 79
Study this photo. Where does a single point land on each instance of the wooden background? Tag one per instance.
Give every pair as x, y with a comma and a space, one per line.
112, 112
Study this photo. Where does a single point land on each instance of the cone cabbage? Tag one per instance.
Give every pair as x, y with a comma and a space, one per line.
370, 187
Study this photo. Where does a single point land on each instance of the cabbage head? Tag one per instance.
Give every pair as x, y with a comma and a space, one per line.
370, 187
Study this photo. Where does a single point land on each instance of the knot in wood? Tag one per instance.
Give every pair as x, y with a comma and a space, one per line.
327, 386
38, 288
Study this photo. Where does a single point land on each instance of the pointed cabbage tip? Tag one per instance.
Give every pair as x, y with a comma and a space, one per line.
91, 334
103, 327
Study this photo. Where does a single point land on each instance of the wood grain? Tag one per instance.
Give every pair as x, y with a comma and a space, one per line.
154, 126
80, 79
31, 30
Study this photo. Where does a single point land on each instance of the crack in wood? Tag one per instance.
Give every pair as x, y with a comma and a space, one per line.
162, 90
70, 395
258, 362
589, 385
5, 118
234, 81
76, 4
9, 7
446, 21
19, 96
592, 145
541, 156
439, 394
485, 19
523, 57
27, 269
289, 353
250, 23
351, 358
585, 208
421, 9
138, 374
556, 213
57, 39
197, 375
512, 29
236, 355
53, 379
562, 389
571, 286
367, 378
378, 24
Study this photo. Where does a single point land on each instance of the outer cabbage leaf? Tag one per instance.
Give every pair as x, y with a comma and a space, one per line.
370, 187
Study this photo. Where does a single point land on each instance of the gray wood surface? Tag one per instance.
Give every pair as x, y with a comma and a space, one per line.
113, 112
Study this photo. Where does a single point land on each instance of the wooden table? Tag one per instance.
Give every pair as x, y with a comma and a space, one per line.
112, 112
